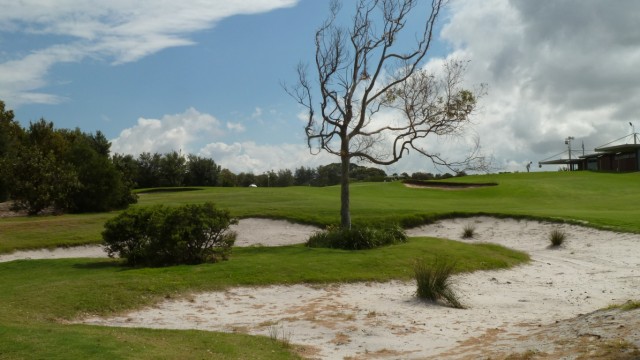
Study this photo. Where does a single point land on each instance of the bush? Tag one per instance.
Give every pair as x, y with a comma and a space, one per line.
163, 236
357, 238
434, 282
557, 237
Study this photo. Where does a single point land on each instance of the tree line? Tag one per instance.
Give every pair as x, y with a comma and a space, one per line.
42, 167
173, 169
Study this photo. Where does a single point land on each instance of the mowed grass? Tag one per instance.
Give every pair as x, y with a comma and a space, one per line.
39, 296
602, 200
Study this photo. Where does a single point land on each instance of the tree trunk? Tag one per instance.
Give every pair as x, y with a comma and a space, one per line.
345, 206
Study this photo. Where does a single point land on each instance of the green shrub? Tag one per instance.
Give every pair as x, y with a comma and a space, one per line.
357, 238
434, 281
557, 237
468, 231
163, 236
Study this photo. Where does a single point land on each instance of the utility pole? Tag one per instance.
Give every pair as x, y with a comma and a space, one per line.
567, 142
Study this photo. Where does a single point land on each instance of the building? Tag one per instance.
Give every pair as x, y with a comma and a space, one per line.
617, 158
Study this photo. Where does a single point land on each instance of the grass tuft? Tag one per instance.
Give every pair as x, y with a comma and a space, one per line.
630, 305
527, 355
280, 335
434, 282
468, 232
557, 237
627, 306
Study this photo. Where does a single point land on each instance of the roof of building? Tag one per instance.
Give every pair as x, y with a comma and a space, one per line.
619, 148
591, 156
560, 162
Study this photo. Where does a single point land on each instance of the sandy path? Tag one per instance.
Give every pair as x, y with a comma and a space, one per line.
383, 320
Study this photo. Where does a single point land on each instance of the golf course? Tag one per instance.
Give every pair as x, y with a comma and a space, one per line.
42, 300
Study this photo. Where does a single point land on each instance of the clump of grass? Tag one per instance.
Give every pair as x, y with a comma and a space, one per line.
618, 349
468, 231
527, 355
434, 282
280, 335
557, 237
628, 306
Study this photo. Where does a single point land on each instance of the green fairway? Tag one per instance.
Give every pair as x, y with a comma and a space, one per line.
599, 199
39, 297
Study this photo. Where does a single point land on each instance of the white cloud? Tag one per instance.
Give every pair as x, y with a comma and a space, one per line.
204, 135
237, 127
554, 69
257, 113
258, 158
118, 31
177, 132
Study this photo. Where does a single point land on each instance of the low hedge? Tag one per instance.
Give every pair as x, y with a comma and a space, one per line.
164, 236
357, 238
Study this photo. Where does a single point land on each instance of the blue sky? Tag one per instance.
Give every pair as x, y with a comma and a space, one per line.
205, 77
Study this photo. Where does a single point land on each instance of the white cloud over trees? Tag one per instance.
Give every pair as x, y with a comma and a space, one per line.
204, 135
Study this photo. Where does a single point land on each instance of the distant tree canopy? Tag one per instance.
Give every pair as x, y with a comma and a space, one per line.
172, 169
69, 170
11, 134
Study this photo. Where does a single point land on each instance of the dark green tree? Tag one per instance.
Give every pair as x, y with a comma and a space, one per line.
304, 176
65, 169
148, 170
11, 136
245, 179
39, 181
226, 178
173, 168
201, 171
284, 178
102, 186
128, 167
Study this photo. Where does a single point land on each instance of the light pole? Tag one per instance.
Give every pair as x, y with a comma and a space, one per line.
633, 131
567, 142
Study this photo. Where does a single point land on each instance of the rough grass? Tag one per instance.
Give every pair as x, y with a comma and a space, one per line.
616, 349
468, 231
434, 282
557, 237
627, 306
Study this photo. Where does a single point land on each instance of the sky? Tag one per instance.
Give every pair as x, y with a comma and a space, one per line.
206, 76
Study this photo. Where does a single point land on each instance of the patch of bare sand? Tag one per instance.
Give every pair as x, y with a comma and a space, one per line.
251, 232
384, 321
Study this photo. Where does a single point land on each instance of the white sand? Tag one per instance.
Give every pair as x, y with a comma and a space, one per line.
383, 320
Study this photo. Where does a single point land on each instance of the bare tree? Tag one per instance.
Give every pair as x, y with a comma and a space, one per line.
365, 75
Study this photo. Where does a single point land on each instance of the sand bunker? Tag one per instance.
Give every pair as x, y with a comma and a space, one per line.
251, 232
383, 320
